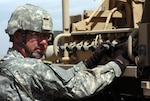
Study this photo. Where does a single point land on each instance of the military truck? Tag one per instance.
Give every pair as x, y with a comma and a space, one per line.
123, 23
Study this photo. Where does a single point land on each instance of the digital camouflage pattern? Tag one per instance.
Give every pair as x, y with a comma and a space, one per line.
29, 79
30, 17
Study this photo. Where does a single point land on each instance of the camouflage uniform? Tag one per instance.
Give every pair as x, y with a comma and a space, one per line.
44, 79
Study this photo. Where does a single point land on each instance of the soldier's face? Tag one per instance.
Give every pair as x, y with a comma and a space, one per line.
37, 42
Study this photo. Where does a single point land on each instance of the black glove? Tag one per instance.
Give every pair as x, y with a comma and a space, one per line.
111, 50
97, 55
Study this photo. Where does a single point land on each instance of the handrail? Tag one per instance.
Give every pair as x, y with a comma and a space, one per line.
130, 46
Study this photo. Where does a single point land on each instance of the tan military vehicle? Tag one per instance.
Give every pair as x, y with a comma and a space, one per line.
123, 23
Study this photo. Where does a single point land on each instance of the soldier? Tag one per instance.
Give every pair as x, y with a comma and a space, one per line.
25, 77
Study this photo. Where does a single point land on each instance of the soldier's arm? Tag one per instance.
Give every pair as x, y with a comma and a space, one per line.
77, 82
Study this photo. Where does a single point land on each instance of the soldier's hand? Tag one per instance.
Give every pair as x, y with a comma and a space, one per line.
103, 49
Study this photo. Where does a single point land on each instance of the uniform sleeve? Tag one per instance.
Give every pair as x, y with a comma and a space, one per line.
76, 82
88, 81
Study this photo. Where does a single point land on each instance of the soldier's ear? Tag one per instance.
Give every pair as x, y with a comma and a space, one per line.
17, 37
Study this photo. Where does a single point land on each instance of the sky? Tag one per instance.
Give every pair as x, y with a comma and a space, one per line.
54, 7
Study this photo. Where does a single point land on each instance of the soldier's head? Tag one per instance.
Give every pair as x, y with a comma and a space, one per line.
29, 29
